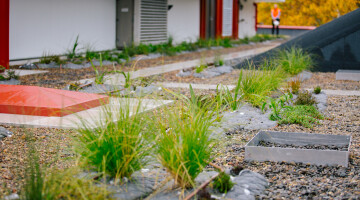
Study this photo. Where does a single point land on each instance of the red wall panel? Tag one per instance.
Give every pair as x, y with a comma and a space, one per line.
4, 32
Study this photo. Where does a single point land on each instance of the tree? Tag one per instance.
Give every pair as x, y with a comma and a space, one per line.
307, 12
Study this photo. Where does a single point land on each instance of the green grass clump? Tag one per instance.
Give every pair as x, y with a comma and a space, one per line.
304, 115
116, 148
223, 183
46, 184
34, 180
255, 85
66, 185
184, 145
294, 60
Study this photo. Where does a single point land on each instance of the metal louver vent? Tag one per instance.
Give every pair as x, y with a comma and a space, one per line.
153, 25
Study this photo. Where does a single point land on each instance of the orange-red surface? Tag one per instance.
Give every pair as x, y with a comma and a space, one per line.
33, 100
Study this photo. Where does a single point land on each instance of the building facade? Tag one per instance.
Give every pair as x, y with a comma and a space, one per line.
34, 28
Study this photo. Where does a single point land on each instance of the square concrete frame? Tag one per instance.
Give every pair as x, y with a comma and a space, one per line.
312, 156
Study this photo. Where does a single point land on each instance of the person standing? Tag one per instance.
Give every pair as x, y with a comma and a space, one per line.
275, 16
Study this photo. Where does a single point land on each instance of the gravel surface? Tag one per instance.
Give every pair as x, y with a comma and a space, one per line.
328, 81
319, 147
303, 181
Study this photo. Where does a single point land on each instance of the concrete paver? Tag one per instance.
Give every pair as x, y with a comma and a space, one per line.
24, 72
118, 79
213, 87
194, 86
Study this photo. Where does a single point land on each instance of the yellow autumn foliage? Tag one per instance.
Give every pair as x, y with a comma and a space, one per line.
307, 12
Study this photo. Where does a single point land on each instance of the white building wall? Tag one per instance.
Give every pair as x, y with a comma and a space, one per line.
247, 19
184, 20
51, 26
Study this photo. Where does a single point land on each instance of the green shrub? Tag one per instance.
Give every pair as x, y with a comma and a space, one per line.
116, 148
223, 183
184, 146
304, 115
129, 51
317, 90
305, 98
142, 49
294, 60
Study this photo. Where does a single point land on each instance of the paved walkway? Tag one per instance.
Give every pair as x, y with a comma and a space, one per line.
118, 79
213, 87
24, 72
91, 116
194, 85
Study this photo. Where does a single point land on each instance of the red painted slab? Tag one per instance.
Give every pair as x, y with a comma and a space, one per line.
39, 101
4, 33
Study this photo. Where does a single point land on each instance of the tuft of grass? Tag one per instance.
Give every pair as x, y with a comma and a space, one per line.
304, 115
317, 90
34, 181
229, 98
294, 60
223, 183
117, 148
255, 85
72, 52
184, 145
47, 59
218, 61
99, 76
65, 184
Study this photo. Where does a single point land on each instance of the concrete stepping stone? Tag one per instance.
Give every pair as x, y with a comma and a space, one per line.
348, 75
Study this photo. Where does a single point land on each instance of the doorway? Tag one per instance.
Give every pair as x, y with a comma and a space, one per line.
124, 22
208, 19
219, 18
